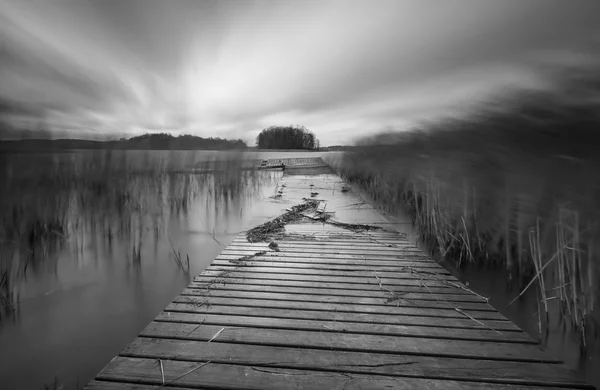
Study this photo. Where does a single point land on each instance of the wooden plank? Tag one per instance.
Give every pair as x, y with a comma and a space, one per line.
322, 207
109, 385
354, 288
273, 256
365, 275
413, 256
321, 228
345, 235
331, 279
352, 300
373, 244
346, 327
368, 318
336, 238
434, 309
350, 342
351, 242
232, 376
320, 264
341, 249
356, 362
378, 247
421, 296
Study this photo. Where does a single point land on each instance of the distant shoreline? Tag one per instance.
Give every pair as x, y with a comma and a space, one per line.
76, 145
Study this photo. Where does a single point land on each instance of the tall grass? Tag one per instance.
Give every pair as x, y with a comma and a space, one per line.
56, 200
515, 183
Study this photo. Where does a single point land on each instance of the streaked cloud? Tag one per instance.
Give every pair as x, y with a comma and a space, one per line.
213, 68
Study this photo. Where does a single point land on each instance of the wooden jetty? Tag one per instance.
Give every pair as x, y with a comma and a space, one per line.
331, 305
212, 166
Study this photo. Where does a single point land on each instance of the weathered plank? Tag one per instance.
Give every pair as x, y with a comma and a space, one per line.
350, 242
491, 371
389, 301
430, 288
347, 327
326, 266
336, 238
272, 256
373, 244
320, 228
232, 376
344, 236
289, 246
350, 342
215, 270
367, 318
109, 385
421, 296
413, 256
441, 310
387, 282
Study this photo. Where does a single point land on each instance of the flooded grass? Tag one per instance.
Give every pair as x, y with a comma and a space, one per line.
52, 201
517, 188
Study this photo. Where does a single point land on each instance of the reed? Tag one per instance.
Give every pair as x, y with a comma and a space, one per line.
517, 187
54, 201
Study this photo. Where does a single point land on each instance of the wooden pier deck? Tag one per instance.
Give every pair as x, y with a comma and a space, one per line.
331, 306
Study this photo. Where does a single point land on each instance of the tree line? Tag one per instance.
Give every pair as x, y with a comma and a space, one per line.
287, 137
160, 141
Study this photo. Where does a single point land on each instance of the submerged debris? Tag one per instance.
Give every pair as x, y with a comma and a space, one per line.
309, 209
262, 233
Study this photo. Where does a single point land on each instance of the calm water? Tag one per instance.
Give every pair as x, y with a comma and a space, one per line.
84, 303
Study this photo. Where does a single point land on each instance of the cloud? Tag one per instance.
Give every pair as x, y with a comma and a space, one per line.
216, 68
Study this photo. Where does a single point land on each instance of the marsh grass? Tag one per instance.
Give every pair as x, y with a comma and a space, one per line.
517, 187
59, 201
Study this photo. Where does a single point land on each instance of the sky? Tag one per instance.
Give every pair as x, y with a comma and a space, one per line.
344, 69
